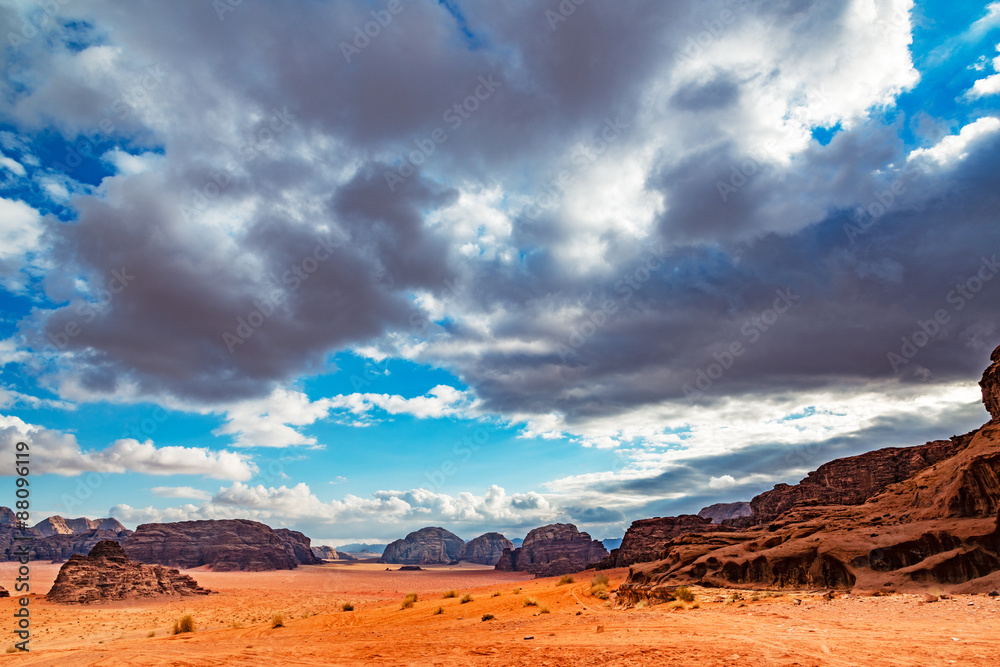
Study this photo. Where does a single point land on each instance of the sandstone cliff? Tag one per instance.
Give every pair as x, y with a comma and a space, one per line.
990, 386
552, 550
720, 512
646, 538
298, 545
329, 553
107, 574
485, 549
223, 545
939, 525
59, 547
427, 546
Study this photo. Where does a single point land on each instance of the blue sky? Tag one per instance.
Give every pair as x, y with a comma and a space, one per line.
487, 267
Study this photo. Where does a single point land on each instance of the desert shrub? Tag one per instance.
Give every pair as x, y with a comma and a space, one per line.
488, 617
186, 624
695, 605
566, 579
599, 580
152, 633
676, 604
516, 591
409, 600
601, 593
599, 587
530, 602
450, 594
641, 604
467, 598
440, 610
237, 625
684, 593
496, 594
11, 649
347, 606
277, 621
543, 610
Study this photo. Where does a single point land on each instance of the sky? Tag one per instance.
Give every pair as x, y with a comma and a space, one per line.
355, 268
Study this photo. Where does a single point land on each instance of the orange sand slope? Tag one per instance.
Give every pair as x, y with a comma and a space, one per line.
567, 626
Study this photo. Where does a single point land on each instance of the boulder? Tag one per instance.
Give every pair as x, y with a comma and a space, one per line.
298, 545
106, 574
223, 545
485, 549
427, 546
552, 550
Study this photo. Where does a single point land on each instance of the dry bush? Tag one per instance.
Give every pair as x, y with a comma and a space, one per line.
440, 610
409, 600
347, 606
543, 610
467, 598
186, 624
496, 594
488, 617
684, 593
450, 594
530, 602
566, 579
277, 621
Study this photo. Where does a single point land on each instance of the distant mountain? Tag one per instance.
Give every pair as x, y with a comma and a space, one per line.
362, 548
719, 512
612, 543
57, 525
517, 541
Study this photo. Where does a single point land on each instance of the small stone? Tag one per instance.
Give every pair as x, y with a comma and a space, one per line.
796, 601
993, 594
529, 637
930, 598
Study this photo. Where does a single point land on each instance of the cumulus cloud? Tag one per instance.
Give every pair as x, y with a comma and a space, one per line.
58, 453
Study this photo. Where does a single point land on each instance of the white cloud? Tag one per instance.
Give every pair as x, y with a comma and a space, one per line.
722, 482
954, 148
988, 86
180, 492
441, 401
20, 229
58, 453
13, 165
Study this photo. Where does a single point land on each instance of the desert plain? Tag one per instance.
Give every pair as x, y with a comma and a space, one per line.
567, 625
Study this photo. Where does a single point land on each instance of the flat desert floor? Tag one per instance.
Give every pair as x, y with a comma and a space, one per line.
567, 626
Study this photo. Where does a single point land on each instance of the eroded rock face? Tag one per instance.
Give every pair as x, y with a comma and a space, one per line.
224, 545
720, 512
107, 574
851, 480
646, 538
940, 524
298, 545
558, 548
990, 385
57, 525
485, 549
427, 546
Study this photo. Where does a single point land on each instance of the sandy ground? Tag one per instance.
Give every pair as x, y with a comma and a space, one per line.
568, 627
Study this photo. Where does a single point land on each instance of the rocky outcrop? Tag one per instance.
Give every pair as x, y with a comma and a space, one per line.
851, 480
361, 548
59, 547
7, 517
552, 550
329, 553
223, 545
939, 524
427, 546
990, 386
485, 549
107, 574
646, 538
57, 525
720, 512
298, 545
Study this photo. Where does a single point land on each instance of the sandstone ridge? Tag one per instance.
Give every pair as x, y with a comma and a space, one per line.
223, 545
552, 550
485, 549
427, 546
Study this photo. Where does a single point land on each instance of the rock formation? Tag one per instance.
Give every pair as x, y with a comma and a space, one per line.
223, 545
918, 516
361, 548
329, 553
107, 574
59, 547
485, 549
720, 512
57, 525
427, 546
990, 386
7, 517
851, 480
552, 550
298, 545
646, 538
